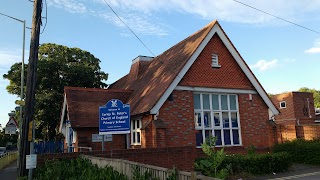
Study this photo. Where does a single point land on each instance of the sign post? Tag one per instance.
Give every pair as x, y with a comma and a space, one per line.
114, 118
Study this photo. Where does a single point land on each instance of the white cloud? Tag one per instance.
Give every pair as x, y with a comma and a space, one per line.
140, 15
263, 65
227, 10
9, 57
71, 6
315, 49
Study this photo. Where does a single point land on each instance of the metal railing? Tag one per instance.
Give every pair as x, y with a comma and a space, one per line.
7, 159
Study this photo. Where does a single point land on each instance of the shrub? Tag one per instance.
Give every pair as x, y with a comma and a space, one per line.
302, 151
257, 164
76, 169
211, 166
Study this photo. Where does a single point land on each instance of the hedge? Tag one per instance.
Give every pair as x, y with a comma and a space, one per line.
256, 164
302, 151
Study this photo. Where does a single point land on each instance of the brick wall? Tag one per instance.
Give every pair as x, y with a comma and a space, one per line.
297, 107
229, 75
308, 132
301, 104
180, 157
254, 120
286, 114
177, 115
84, 139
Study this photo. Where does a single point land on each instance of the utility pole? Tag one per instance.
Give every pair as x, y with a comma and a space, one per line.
31, 82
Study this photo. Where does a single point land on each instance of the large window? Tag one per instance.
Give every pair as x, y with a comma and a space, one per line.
136, 131
217, 115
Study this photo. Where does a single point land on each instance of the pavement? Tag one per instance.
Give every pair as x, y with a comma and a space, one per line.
10, 172
296, 172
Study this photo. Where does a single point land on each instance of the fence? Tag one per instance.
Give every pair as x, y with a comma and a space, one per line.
7, 159
48, 147
126, 167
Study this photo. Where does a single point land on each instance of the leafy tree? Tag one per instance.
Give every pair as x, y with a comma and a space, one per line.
316, 95
58, 66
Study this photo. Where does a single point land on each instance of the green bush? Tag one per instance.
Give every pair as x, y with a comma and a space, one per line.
257, 164
77, 169
211, 166
302, 151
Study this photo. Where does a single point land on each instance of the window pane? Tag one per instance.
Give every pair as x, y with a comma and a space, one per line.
227, 140
134, 137
208, 133
138, 124
224, 102
199, 138
206, 101
234, 119
216, 119
138, 137
217, 133
196, 101
215, 102
207, 119
133, 124
235, 134
225, 119
197, 119
233, 103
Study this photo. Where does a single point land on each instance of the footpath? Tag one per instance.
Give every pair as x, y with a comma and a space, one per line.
10, 172
297, 172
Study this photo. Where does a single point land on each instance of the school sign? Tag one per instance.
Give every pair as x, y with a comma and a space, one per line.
114, 118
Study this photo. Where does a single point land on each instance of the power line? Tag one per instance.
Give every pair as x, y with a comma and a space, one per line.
177, 74
129, 28
277, 17
45, 25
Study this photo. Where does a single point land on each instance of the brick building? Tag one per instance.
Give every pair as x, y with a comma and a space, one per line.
297, 118
199, 87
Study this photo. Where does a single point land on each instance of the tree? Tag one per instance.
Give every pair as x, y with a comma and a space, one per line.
316, 95
58, 66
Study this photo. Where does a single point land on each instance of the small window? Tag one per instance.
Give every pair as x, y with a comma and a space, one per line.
283, 104
215, 60
136, 131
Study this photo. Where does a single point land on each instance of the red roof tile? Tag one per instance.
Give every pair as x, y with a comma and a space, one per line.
83, 104
160, 72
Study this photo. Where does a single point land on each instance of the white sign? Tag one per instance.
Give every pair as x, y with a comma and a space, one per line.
31, 161
98, 138
10, 130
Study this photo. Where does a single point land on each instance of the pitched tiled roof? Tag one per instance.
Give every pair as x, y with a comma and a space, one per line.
160, 72
83, 104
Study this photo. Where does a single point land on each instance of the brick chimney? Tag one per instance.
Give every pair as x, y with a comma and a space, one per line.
137, 66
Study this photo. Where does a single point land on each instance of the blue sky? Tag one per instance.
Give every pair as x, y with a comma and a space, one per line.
283, 57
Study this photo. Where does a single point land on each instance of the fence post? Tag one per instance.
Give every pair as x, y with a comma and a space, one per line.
193, 176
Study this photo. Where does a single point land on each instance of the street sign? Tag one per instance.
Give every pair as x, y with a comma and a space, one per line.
31, 161
114, 118
20, 102
10, 130
30, 131
98, 138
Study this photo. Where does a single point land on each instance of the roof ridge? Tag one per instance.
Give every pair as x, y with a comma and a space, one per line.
212, 23
95, 89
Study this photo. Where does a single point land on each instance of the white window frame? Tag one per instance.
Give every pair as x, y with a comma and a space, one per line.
135, 131
215, 60
285, 104
220, 111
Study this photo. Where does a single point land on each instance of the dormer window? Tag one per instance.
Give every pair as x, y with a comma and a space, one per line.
283, 104
215, 60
